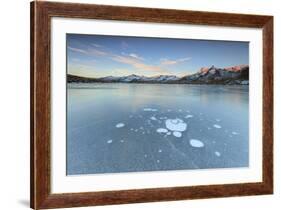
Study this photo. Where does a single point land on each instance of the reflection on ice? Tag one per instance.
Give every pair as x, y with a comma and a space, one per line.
149, 110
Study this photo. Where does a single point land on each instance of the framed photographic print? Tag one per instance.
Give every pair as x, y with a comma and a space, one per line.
141, 105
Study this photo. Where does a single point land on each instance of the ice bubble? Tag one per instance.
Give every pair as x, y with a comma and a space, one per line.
153, 118
196, 143
216, 126
109, 141
158, 161
217, 153
162, 130
149, 110
188, 116
145, 155
177, 134
176, 125
160, 150
120, 125
122, 140
235, 133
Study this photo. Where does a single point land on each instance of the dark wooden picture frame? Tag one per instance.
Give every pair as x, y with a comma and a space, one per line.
40, 187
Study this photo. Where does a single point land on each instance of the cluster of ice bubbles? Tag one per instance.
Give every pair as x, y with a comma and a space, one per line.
174, 127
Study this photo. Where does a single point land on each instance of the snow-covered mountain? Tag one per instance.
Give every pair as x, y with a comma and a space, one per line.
230, 75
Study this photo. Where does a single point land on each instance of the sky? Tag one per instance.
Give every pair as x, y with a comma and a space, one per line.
102, 55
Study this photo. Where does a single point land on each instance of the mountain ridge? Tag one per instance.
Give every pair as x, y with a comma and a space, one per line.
233, 75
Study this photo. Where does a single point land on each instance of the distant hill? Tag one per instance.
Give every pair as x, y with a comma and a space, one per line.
230, 76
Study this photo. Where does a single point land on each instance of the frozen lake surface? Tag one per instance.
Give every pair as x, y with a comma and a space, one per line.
113, 128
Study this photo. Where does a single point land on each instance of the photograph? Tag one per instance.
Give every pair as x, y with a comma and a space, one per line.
148, 104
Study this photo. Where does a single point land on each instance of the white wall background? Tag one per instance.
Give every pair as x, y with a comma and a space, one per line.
14, 103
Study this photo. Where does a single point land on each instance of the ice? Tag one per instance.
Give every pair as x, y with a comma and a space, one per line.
120, 125
149, 110
176, 124
188, 116
217, 153
235, 133
162, 130
160, 150
180, 110
196, 143
153, 118
109, 141
177, 134
216, 126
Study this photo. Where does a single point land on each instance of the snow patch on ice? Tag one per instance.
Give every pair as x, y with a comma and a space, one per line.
196, 143
161, 130
176, 125
120, 125
217, 153
153, 118
188, 116
177, 134
235, 133
109, 141
216, 126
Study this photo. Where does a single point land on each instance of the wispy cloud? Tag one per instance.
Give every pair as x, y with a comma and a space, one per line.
133, 55
78, 50
137, 63
132, 59
88, 51
96, 45
166, 61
